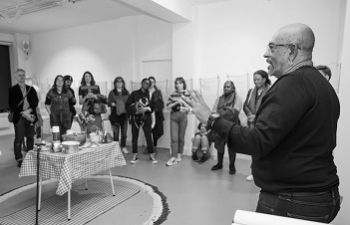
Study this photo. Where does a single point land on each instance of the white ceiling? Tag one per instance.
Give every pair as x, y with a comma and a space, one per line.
198, 2
63, 16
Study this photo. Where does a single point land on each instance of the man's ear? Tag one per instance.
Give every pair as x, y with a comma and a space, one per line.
293, 53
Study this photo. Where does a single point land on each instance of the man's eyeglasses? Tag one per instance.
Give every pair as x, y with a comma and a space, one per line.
273, 46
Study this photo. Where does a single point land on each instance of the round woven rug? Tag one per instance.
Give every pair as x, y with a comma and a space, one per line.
135, 202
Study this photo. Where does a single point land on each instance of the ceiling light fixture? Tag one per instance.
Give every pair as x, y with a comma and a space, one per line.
23, 7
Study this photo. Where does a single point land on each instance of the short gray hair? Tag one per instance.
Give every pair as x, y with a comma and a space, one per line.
20, 70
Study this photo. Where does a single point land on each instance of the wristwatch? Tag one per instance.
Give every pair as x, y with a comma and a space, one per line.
211, 120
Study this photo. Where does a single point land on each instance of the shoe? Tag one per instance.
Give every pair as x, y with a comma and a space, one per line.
232, 172
204, 158
194, 156
216, 167
250, 178
171, 161
153, 159
134, 159
125, 150
178, 158
19, 163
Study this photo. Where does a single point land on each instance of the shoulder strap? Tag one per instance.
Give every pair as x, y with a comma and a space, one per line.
25, 95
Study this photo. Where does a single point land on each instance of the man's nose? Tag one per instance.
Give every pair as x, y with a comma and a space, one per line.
267, 53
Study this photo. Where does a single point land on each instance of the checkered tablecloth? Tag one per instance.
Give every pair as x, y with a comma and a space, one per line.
67, 168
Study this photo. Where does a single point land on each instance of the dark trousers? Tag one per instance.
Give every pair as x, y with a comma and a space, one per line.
314, 206
23, 128
155, 140
123, 127
220, 147
147, 130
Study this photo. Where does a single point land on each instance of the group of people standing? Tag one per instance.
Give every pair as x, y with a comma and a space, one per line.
143, 108
229, 106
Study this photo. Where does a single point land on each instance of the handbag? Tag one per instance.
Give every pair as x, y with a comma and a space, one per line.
11, 113
10, 116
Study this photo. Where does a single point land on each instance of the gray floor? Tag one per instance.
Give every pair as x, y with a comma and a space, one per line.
195, 194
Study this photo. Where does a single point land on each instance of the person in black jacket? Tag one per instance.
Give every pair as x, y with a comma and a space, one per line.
139, 110
157, 115
294, 132
58, 101
68, 80
23, 101
119, 117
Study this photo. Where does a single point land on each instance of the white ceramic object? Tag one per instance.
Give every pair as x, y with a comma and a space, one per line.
94, 138
70, 146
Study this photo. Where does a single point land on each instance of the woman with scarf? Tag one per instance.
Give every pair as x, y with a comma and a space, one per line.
254, 97
228, 106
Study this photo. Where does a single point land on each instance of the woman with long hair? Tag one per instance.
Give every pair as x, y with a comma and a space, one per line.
178, 120
57, 104
68, 80
93, 102
254, 97
157, 114
119, 117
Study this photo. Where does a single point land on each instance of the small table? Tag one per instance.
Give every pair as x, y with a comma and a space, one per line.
67, 168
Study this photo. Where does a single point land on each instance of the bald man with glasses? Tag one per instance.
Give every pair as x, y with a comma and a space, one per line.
294, 132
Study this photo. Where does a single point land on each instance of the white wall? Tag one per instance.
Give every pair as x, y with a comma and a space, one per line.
233, 34
18, 59
107, 49
341, 153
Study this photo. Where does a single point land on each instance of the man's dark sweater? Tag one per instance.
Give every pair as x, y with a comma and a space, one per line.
294, 134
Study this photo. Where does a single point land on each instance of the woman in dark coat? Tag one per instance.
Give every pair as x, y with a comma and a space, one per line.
57, 102
158, 106
119, 117
93, 102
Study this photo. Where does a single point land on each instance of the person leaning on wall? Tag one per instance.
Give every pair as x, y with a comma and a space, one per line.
294, 132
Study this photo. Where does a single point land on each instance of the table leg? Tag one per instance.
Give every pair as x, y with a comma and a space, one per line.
86, 184
37, 186
112, 185
39, 203
69, 204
